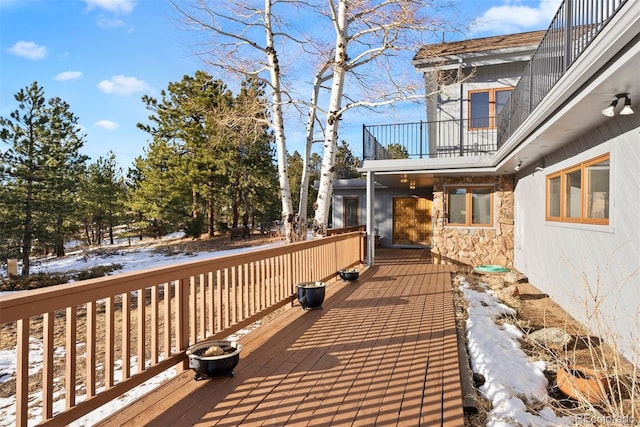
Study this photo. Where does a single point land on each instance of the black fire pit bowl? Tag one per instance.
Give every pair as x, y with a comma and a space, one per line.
214, 366
349, 275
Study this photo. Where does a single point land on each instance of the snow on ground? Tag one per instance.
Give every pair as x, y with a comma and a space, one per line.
132, 257
495, 353
494, 349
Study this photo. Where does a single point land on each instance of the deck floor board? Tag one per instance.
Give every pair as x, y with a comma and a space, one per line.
381, 351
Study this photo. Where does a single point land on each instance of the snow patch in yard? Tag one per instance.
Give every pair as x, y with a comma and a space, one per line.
132, 259
511, 378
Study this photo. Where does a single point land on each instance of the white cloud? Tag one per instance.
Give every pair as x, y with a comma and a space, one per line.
123, 7
107, 124
28, 50
122, 85
107, 23
515, 17
68, 75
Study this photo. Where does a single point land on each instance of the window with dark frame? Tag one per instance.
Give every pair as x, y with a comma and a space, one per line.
485, 105
580, 193
351, 211
470, 206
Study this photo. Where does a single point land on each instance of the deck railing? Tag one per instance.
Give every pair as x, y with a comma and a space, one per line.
432, 139
575, 25
144, 321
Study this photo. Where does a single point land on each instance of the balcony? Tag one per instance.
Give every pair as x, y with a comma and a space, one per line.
576, 24
383, 349
434, 139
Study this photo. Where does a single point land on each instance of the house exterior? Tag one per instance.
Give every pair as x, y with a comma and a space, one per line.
520, 163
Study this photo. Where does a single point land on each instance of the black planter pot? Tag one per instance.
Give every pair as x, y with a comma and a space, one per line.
349, 275
311, 294
213, 366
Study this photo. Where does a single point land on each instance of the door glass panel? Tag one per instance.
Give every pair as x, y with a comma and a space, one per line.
412, 221
351, 207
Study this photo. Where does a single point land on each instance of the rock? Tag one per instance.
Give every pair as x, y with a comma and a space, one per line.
511, 277
478, 380
510, 292
214, 350
556, 338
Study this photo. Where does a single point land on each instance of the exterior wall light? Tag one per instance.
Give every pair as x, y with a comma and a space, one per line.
626, 110
518, 166
610, 110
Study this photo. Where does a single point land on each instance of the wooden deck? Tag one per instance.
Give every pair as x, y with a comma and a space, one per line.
382, 351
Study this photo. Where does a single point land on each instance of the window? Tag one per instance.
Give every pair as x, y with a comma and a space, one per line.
596, 176
485, 105
470, 206
351, 211
580, 193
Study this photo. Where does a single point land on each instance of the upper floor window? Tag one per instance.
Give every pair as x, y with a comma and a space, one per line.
470, 206
351, 211
580, 193
484, 106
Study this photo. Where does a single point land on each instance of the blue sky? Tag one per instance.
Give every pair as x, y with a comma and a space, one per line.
102, 56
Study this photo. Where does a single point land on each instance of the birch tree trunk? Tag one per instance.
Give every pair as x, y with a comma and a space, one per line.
327, 173
382, 31
278, 126
306, 170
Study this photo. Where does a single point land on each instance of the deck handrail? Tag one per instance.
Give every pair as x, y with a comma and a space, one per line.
351, 229
180, 305
575, 25
453, 137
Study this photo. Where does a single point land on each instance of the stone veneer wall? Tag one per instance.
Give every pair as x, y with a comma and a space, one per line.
475, 245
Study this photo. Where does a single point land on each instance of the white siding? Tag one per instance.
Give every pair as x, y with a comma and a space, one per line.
577, 264
447, 108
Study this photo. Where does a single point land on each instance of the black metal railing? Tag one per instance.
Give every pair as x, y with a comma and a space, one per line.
443, 138
575, 25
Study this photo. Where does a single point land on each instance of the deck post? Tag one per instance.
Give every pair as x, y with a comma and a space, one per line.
371, 217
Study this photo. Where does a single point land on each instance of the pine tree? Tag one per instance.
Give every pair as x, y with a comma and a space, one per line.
295, 177
158, 193
211, 155
65, 165
41, 168
253, 177
103, 196
346, 163
190, 147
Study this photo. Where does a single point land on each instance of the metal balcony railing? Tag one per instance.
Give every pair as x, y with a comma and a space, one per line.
575, 25
443, 138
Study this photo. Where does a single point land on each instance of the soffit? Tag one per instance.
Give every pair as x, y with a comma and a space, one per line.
571, 109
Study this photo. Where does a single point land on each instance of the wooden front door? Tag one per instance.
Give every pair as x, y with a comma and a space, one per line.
412, 221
